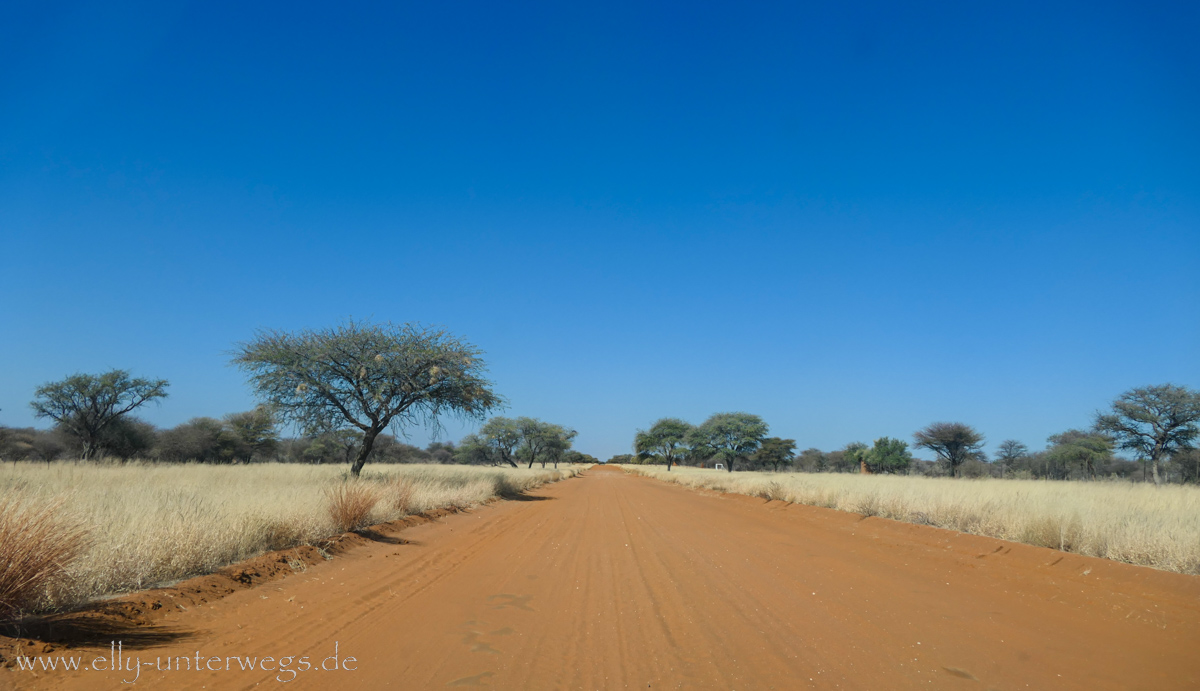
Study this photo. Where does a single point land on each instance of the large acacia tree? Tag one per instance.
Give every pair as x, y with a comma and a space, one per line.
953, 442
86, 406
367, 376
666, 439
730, 436
1153, 421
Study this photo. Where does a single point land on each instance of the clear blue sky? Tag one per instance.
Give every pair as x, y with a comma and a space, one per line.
852, 220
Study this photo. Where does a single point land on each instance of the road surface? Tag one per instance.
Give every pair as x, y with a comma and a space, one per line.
612, 581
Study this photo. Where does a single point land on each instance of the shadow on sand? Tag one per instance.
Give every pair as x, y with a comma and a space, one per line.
90, 629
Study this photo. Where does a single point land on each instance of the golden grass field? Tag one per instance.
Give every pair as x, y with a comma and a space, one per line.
1133, 523
116, 528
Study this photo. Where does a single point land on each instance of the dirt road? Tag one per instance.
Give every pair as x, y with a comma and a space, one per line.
612, 581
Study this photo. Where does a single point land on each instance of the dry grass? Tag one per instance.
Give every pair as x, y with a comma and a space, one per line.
350, 505
158, 523
38, 542
1133, 523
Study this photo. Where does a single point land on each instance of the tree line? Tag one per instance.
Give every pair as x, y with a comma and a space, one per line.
1159, 425
341, 387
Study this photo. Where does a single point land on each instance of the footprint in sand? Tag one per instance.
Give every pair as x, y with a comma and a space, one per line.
471, 638
476, 680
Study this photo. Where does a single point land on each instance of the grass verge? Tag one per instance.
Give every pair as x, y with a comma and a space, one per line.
78, 532
1133, 523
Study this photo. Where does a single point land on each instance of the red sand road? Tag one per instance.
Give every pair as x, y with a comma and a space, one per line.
613, 581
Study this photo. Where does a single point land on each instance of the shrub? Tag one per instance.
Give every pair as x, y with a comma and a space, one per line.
350, 505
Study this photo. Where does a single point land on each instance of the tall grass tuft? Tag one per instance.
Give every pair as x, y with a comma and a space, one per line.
402, 490
38, 542
350, 505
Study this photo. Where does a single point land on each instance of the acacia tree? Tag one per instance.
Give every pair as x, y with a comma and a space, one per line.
560, 439
86, 405
256, 429
730, 436
1154, 421
776, 452
953, 442
1078, 447
887, 456
1010, 452
535, 437
542, 441
501, 435
854, 455
367, 376
666, 439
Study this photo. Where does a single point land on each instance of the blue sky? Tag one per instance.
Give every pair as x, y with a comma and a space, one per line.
852, 220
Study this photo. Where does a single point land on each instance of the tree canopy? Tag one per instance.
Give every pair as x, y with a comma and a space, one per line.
666, 440
953, 442
887, 456
1078, 448
367, 377
1153, 421
775, 452
86, 405
542, 441
730, 436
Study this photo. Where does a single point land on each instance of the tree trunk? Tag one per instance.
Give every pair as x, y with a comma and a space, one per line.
364, 450
1154, 468
729, 466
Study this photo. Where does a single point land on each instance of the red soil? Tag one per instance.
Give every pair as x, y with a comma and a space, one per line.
614, 581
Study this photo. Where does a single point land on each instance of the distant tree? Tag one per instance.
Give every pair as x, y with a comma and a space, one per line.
256, 429
888, 456
812, 461
48, 445
128, 437
730, 436
1153, 421
775, 452
18, 444
84, 405
1187, 463
1078, 448
953, 442
665, 440
854, 456
441, 452
502, 435
1010, 452
621, 458
578, 458
559, 445
541, 441
366, 377
474, 450
535, 435
200, 440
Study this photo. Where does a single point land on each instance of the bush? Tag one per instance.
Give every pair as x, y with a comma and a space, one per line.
350, 505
